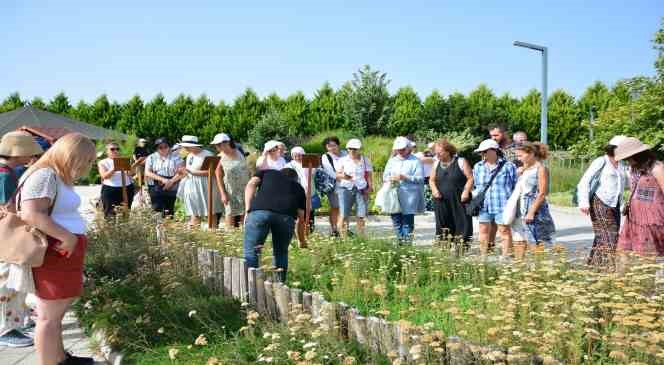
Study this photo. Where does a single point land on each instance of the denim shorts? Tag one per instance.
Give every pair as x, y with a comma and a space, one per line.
333, 198
349, 197
497, 218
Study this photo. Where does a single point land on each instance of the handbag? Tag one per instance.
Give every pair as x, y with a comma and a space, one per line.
593, 186
315, 202
473, 208
387, 199
322, 180
22, 243
512, 205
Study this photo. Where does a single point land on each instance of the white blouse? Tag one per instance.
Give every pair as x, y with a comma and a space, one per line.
612, 182
116, 179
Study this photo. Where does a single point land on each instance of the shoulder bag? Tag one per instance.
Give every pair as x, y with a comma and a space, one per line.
473, 208
22, 243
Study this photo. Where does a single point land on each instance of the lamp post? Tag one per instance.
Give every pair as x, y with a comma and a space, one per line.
544, 108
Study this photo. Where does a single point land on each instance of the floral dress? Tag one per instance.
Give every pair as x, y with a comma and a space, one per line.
193, 190
236, 177
542, 227
643, 231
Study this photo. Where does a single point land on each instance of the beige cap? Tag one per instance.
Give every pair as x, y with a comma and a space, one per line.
629, 147
19, 144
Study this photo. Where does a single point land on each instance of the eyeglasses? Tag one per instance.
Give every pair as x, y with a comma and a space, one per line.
114, 149
353, 149
162, 147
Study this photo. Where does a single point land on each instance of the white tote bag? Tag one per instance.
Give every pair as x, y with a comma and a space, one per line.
512, 205
387, 199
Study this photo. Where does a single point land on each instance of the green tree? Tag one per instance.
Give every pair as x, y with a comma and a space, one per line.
597, 96
220, 122
59, 104
105, 114
156, 121
247, 111
272, 125
201, 116
83, 112
130, 117
527, 114
435, 113
366, 109
296, 111
12, 102
564, 125
457, 112
407, 112
658, 45
273, 101
482, 110
181, 116
326, 111
38, 103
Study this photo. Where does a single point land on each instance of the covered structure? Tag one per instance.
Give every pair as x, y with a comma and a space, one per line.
51, 126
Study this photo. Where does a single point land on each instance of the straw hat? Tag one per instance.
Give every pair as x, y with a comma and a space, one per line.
19, 144
629, 147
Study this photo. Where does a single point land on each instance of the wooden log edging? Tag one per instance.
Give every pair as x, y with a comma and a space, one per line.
231, 277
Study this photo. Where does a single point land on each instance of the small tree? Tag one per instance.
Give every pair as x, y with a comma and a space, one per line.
366, 109
272, 125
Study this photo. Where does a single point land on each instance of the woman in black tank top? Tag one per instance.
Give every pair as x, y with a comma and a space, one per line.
451, 182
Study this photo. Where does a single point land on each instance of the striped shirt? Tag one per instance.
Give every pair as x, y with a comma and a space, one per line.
163, 166
501, 188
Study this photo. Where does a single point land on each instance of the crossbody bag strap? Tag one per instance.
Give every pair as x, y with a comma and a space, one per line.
329, 159
17, 195
493, 177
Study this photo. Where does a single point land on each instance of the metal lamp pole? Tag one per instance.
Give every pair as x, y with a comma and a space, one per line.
544, 111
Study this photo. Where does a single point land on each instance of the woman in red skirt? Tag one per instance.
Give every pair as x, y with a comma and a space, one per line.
49, 203
643, 232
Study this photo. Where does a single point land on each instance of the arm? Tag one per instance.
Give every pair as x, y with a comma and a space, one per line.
386, 173
542, 189
470, 181
301, 228
418, 174
261, 163
103, 172
582, 188
219, 174
432, 181
249, 193
658, 173
150, 174
35, 213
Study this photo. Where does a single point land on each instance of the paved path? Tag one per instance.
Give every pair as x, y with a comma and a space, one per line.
75, 340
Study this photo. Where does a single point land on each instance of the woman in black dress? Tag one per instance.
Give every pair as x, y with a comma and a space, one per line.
451, 182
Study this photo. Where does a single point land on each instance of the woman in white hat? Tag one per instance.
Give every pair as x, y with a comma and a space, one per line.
643, 232
232, 176
297, 154
497, 191
193, 188
272, 158
599, 195
355, 185
16, 149
405, 170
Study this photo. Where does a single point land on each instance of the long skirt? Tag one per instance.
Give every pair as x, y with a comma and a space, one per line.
606, 224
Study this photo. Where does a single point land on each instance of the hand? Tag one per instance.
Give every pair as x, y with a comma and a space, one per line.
530, 217
225, 199
396, 178
436, 194
465, 196
585, 211
369, 189
168, 185
67, 246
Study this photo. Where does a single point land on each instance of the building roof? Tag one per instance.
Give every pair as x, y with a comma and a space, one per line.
41, 120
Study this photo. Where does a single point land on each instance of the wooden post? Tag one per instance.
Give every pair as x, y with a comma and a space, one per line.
235, 285
282, 296
260, 292
122, 164
210, 164
218, 271
243, 280
251, 283
296, 299
271, 304
316, 303
228, 276
343, 314
306, 302
309, 161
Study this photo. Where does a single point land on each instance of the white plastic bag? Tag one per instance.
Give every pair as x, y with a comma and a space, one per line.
387, 199
512, 205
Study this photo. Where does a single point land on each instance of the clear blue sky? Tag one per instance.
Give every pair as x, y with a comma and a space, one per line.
221, 47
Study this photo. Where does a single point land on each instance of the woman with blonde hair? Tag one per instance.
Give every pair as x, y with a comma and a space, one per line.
533, 224
49, 203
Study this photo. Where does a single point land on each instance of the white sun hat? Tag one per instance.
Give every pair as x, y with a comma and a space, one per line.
189, 141
629, 147
617, 140
269, 145
488, 144
297, 150
220, 138
354, 143
400, 143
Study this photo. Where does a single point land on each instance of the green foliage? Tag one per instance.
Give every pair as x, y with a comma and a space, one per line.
435, 113
326, 110
12, 102
59, 104
564, 123
407, 112
273, 125
366, 108
247, 111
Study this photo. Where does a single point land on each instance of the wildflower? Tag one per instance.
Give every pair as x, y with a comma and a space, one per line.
293, 355
349, 360
244, 304
160, 330
309, 345
172, 353
213, 361
310, 355
192, 313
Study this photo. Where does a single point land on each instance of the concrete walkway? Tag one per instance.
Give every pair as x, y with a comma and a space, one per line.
75, 340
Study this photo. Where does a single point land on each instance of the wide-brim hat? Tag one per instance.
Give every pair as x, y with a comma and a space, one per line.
270, 145
221, 138
487, 144
189, 141
617, 140
629, 147
19, 144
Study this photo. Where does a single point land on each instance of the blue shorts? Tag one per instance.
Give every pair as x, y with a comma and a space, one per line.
333, 198
346, 199
497, 218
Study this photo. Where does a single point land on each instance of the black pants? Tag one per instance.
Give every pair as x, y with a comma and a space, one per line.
111, 197
163, 202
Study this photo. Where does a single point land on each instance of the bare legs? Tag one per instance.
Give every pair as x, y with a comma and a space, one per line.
48, 332
486, 236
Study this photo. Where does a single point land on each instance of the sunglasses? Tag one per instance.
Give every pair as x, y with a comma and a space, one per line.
353, 149
163, 147
114, 149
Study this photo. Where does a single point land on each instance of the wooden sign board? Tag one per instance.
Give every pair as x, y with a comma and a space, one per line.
210, 163
121, 164
311, 160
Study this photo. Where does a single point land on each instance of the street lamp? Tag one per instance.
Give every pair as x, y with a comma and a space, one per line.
543, 117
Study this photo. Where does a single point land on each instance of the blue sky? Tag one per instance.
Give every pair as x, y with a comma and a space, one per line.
122, 48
